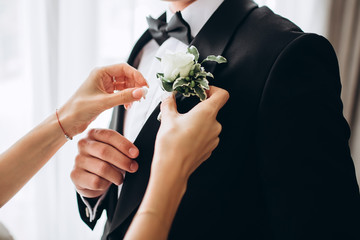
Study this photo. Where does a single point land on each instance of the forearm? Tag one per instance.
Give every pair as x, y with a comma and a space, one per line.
158, 208
20, 162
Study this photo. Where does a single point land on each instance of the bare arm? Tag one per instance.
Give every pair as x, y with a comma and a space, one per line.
183, 142
20, 162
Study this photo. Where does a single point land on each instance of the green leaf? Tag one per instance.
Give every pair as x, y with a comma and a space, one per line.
200, 75
163, 79
167, 86
204, 83
180, 82
200, 92
193, 50
159, 75
209, 74
197, 68
187, 92
213, 58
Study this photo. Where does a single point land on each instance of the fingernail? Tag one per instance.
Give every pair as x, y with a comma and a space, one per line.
127, 106
145, 89
159, 117
147, 83
133, 152
133, 166
140, 92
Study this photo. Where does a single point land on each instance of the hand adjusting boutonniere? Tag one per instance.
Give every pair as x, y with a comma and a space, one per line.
182, 72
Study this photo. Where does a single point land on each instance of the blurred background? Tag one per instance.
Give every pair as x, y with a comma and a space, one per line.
48, 48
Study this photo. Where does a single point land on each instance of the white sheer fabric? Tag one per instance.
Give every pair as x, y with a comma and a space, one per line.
309, 15
47, 48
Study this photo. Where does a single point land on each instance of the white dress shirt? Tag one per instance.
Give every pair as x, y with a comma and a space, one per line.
196, 15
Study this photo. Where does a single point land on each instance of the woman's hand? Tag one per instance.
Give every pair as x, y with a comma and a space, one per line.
97, 94
184, 141
20, 162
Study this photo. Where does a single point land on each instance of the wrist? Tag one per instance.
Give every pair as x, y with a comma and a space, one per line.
67, 122
168, 170
66, 134
170, 165
168, 181
164, 194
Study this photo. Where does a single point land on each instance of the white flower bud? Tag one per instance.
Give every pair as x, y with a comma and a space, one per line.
177, 63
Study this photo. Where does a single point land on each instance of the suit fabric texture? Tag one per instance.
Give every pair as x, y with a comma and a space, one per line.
283, 168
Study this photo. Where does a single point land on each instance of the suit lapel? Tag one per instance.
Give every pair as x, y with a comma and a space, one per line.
135, 183
117, 124
144, 39
218, 31
118, 112
222, 23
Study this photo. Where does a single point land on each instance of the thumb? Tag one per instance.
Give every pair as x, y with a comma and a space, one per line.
168, 107
125, 96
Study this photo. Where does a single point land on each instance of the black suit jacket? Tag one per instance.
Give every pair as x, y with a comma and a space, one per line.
283, 168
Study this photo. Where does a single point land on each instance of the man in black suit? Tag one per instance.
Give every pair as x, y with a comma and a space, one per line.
283, 168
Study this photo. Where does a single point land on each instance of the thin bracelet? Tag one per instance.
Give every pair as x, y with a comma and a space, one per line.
66, 135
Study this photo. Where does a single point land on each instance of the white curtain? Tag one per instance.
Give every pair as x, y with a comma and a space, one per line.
344, 33
47, 48
309, 15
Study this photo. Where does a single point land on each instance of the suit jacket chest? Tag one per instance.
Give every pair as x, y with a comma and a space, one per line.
135, 184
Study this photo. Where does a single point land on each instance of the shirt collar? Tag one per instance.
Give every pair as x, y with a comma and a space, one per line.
197, 14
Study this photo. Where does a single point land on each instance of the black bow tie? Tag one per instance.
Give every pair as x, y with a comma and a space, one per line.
177, 28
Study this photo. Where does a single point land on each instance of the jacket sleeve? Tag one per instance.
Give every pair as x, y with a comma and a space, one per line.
85, 212
105, 203
91, 210
310, 188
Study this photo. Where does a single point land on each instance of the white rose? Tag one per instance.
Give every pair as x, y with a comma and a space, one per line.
177, 63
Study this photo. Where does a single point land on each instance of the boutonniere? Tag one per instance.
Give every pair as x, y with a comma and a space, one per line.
181, 72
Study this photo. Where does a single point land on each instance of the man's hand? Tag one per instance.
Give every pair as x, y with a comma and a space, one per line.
104, 156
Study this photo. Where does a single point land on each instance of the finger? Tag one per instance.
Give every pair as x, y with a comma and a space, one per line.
127, 106
124, 72
100, 168
107, 152
125, 96
86, 180
168, 107
89, 193
217, 97
116, 140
